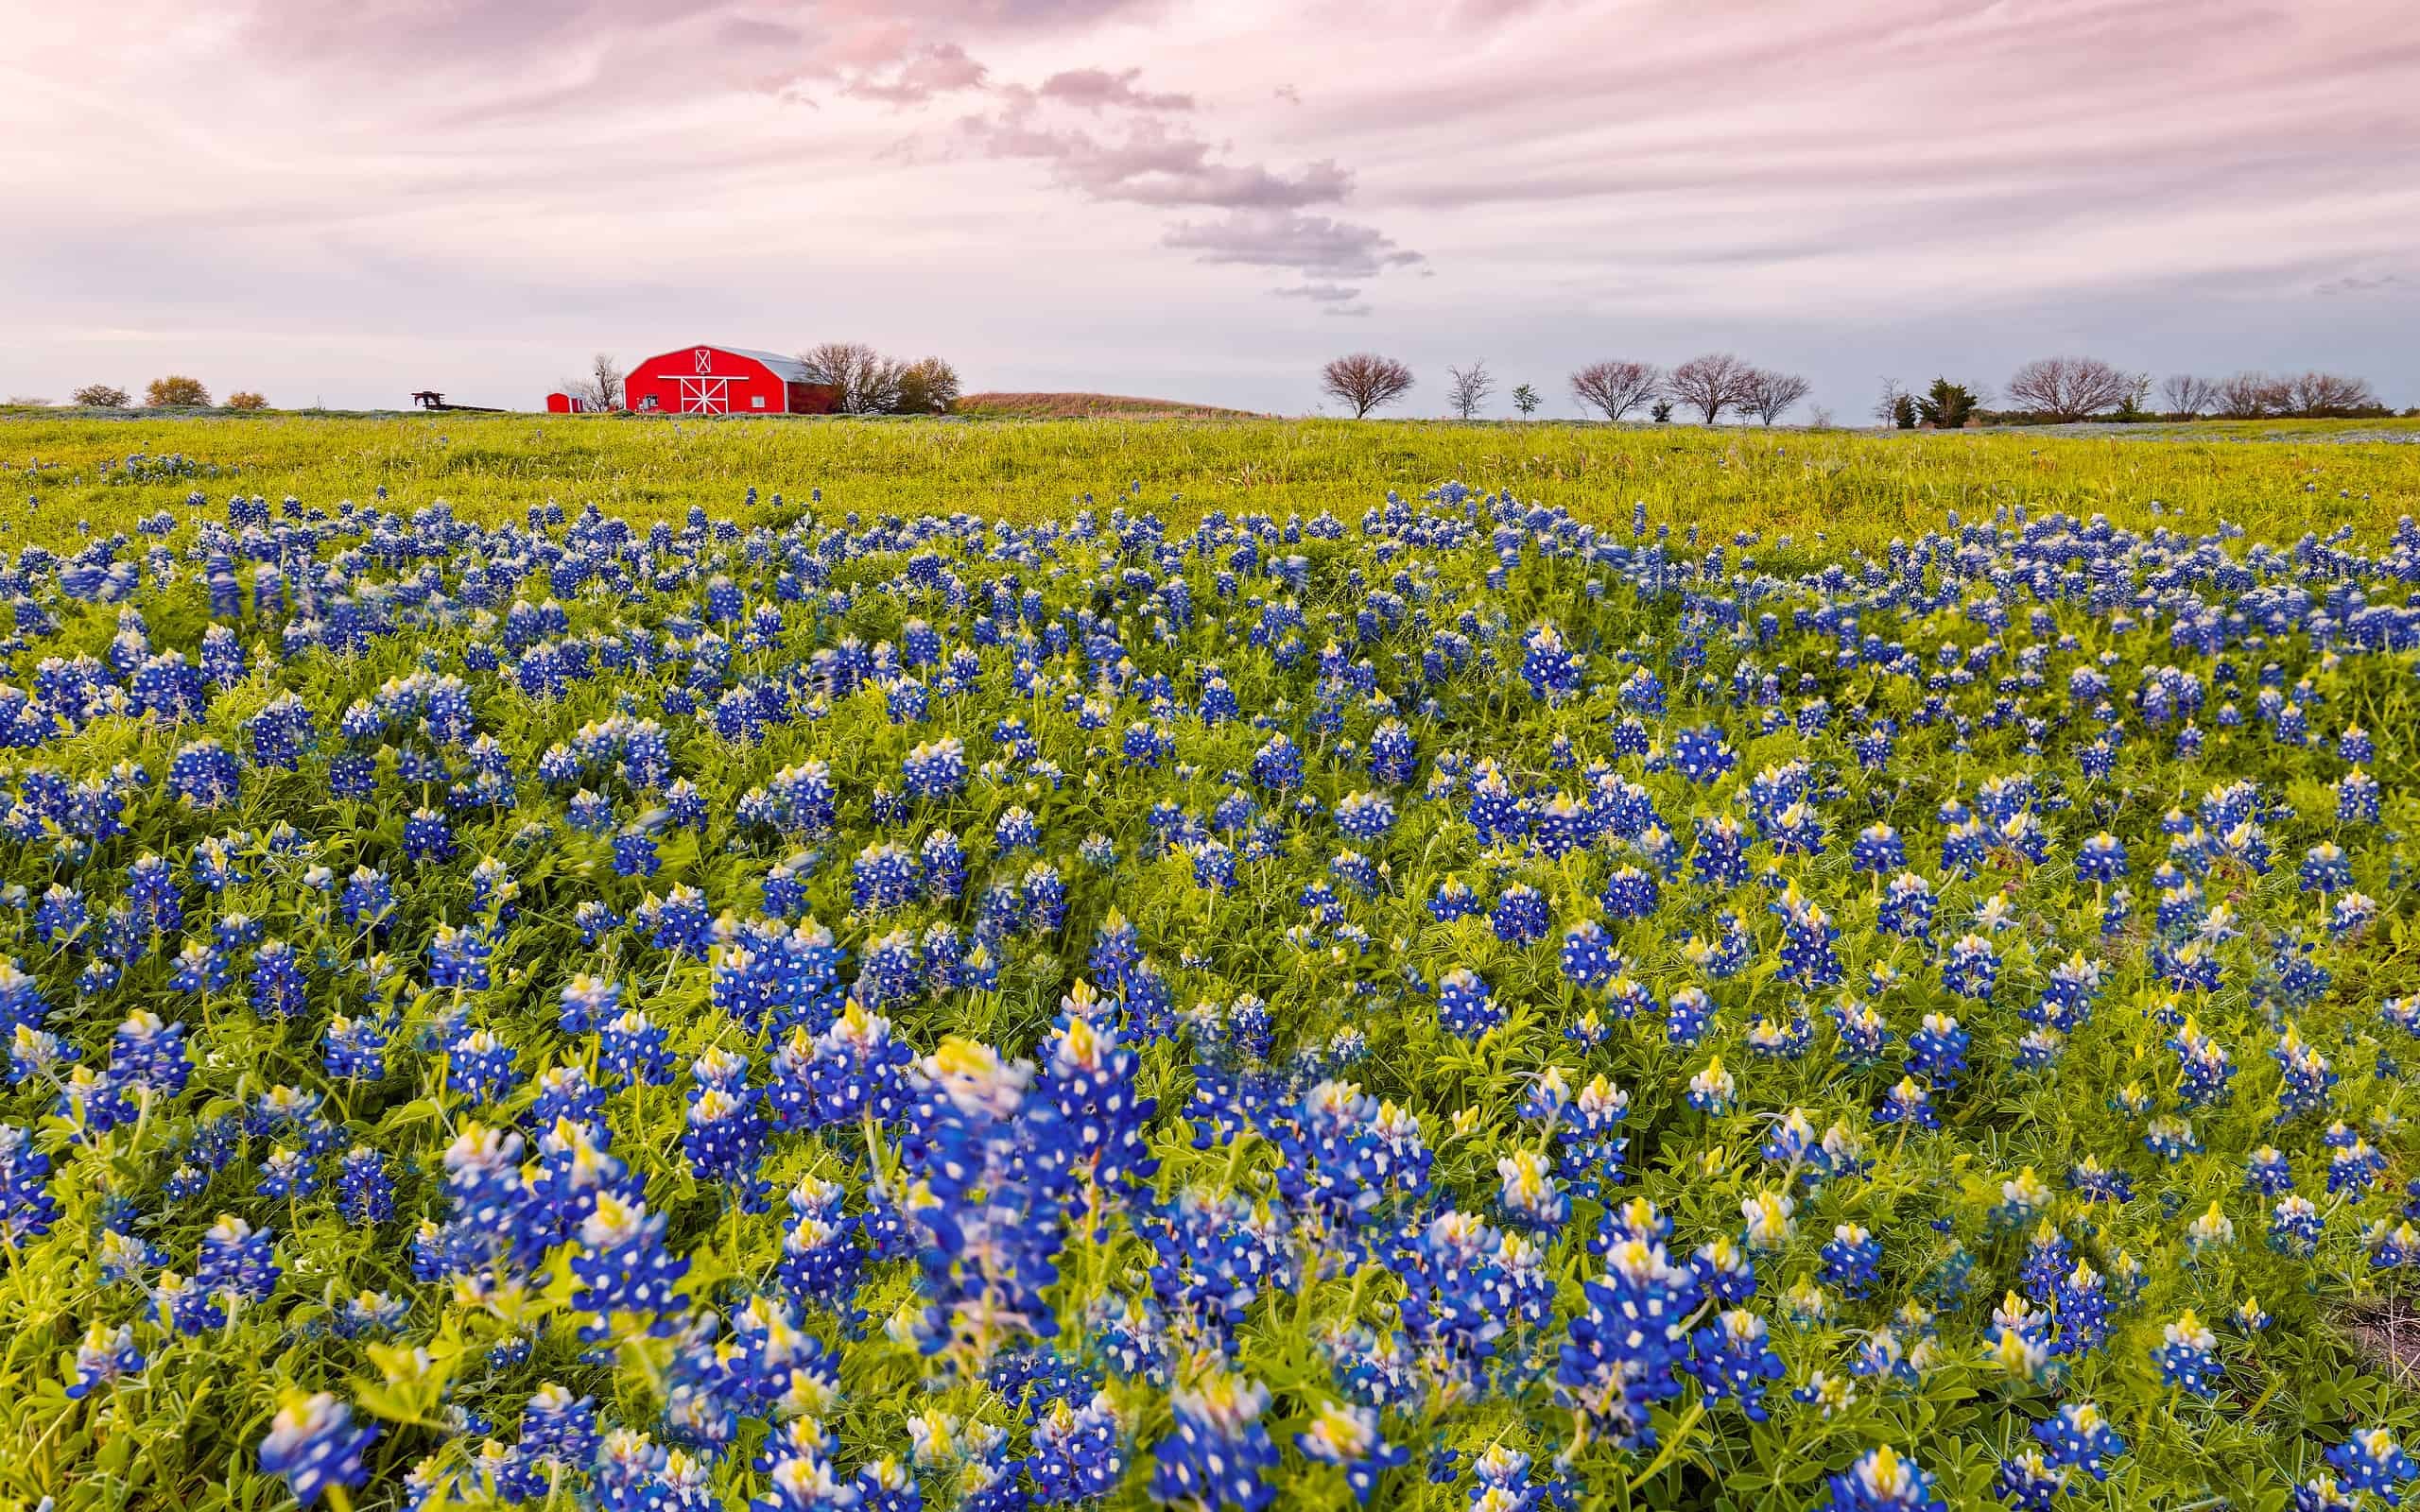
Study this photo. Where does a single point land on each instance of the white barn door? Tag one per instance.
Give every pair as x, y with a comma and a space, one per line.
704, 393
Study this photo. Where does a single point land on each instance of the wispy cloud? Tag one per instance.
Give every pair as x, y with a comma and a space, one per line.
2358, 283
934, 69
1098, 89
1152, 161
1315, 245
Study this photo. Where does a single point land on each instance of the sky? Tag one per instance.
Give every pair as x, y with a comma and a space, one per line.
343, 203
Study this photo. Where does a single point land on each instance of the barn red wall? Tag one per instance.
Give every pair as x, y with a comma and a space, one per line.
671, 378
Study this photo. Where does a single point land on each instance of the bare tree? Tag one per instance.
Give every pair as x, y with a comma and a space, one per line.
2249, 395
1886, 406
1770, 395
1711, 384
1616, 388
863, 381
1468, 389
1365, 380
602, 386
2185, 394
2070, 388
2326, 393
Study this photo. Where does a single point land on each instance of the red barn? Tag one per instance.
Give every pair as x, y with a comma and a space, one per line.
562, 404
725, 381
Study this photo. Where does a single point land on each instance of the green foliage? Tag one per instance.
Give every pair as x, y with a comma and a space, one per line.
1946, 406
175, 391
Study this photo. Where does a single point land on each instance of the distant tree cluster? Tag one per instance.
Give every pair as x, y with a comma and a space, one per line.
1943, 405
864, 382
175, 391
1711, 386
2052, 390
2065, 389
2254, 395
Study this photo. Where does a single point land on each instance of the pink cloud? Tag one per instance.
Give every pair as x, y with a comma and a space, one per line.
1098, 89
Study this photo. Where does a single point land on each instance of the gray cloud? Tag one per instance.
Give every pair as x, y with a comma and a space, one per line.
2358, 283
1097, 89
1152, 165
1314, 245
1340, 300
1320, 293
1155, 163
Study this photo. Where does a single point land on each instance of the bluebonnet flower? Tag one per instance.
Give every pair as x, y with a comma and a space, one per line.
1734, 1360
1348, 1437
313, 1445
2187, 1357
2080, 1437
1465, 1006
2372, 1461
1217, 1453
1883, 1480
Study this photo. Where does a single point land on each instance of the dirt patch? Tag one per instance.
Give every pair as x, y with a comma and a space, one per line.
2386, 1333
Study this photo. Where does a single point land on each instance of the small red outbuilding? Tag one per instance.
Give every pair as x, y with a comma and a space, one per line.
562, 404
725, 381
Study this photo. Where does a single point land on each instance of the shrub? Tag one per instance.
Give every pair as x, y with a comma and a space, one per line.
175, 391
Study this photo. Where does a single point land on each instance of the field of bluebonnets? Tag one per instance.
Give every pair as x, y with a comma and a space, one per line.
856, 966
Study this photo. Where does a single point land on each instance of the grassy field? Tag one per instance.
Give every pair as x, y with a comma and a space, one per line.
1862, 487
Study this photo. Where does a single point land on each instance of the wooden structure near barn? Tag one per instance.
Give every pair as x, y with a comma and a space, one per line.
710, 380
431, 399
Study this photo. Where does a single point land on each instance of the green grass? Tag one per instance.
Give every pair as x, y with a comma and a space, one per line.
2275, 478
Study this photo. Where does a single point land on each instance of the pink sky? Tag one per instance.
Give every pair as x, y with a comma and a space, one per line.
344, 203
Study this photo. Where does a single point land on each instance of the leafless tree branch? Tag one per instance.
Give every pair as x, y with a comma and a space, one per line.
1365, 380
1613, 388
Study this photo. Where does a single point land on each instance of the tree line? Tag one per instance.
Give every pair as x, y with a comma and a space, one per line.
2058, 390
174, 391
1710, 387
2046, 390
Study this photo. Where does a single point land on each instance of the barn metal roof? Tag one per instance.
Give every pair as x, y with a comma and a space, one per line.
790, 369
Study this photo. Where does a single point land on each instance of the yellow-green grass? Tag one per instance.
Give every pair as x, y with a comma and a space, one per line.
2277, 479
1089, 406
